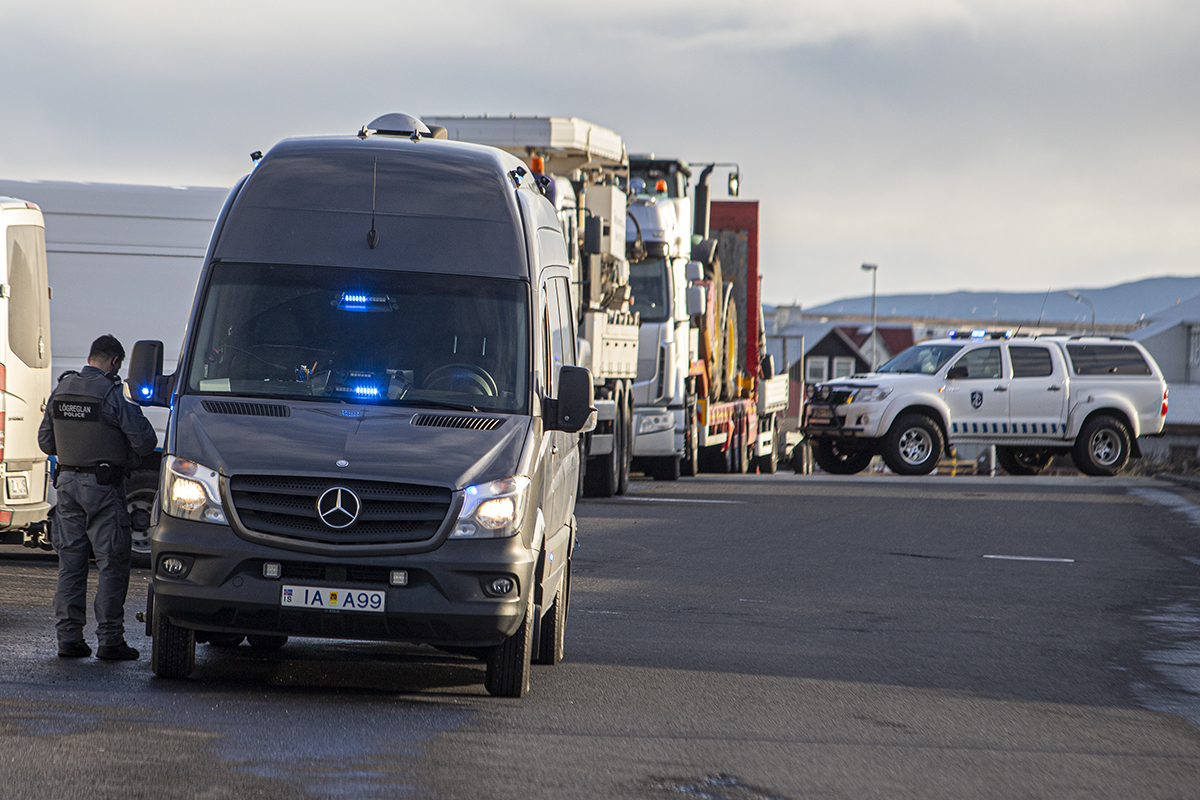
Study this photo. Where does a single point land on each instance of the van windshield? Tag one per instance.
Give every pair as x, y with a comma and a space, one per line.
363, 336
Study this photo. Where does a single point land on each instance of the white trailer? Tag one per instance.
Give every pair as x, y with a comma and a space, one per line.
122, 259
24, 371
585, 164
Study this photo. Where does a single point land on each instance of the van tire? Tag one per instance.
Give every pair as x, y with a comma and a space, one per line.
173, 651
913, 445
508, 663
554, 623
1024, 460
1102, 447
833, 456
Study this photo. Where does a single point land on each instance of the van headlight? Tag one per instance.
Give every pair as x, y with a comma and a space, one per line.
192, 491
492, 510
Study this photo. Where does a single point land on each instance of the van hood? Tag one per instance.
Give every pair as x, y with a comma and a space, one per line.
377, 443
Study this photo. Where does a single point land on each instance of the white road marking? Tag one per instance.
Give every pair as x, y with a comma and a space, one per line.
682, 500
1034, 558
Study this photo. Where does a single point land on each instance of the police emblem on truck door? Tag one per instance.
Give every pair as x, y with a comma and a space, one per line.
976, 399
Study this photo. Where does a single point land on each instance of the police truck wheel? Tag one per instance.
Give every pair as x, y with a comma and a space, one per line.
554, 623
173, 652
508, 663
834, 457
1102, 447
266, 641
1023, 460
141, 490
913, 446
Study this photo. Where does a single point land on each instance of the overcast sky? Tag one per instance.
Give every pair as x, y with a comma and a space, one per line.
959, 144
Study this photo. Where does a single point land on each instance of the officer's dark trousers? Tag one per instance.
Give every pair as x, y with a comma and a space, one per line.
89, 513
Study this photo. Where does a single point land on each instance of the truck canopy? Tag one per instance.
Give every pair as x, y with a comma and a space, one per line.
437, 206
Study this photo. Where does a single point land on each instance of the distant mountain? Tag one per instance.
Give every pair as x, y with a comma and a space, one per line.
1126, 302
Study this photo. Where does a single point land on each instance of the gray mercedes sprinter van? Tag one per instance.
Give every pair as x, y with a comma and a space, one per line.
375, 424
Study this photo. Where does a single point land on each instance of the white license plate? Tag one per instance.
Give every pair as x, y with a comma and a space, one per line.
332, 598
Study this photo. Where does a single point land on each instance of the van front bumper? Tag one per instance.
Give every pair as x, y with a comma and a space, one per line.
445, 601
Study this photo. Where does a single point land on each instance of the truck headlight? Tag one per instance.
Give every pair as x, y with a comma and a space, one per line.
871, 394
192, 491
492, 510
653, 423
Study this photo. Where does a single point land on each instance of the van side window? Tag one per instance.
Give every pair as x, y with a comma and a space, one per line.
1030, 362
554, 338
563, 290
981, 363
1107, 359
29, 305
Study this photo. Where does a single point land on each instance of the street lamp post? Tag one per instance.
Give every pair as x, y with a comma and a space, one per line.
874, 270
1081, 299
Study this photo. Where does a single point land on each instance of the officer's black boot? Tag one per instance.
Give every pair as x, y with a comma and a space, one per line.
117, 652
77, 649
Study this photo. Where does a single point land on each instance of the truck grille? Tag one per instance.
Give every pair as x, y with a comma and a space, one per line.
390, 513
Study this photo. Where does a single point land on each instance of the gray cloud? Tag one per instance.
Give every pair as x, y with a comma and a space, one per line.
960, 144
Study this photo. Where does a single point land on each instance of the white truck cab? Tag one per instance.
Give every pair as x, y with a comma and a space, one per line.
1031, 397
25, 380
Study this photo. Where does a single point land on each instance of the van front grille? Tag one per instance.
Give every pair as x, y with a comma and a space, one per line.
389, 513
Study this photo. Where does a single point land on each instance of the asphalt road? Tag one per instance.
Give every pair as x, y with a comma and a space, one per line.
729, 638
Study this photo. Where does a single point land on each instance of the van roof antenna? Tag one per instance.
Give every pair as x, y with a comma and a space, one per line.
372, 235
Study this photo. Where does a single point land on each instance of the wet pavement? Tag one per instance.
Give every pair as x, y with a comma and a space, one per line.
743, 638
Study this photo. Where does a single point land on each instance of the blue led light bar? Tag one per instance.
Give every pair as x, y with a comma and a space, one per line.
364, 301
366, 391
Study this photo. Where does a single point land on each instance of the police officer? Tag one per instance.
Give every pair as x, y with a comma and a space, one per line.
98, 436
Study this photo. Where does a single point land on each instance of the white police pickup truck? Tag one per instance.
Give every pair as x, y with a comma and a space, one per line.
1032, 397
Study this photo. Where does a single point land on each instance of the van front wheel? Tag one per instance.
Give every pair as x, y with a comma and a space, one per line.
508, 663
173, 651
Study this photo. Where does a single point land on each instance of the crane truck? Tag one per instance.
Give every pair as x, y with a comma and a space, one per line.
706, 396
581, 167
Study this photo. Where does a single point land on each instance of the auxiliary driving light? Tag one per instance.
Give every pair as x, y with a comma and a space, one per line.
399, 577
272, 569
173, 566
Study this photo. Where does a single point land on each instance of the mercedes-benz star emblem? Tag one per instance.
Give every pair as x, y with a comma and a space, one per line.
338, 507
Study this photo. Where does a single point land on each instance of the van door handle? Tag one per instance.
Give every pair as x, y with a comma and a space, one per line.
1000, 389
553, 449
1053, 388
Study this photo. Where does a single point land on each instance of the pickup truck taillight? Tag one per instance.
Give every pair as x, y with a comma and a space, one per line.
1163, 413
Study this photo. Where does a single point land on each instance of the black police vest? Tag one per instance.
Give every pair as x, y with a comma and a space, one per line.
81, 435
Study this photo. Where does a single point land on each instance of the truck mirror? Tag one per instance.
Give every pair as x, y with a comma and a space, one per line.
705, 252
697, 300
695, 271
147, 384
768, 367
573, 410
593, 232
957, 371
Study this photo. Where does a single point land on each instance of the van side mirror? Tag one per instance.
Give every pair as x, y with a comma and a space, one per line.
147, 384
957, 371
573, 411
